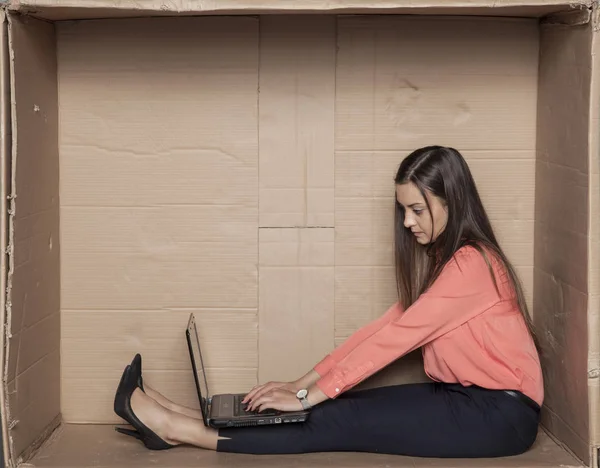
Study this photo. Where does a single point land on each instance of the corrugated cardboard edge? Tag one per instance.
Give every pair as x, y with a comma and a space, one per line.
77, 9
8, 152
21, 48
219, 5
5, 145
594, 247
9, 155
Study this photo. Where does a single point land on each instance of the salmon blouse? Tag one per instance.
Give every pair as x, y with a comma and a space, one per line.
469, 333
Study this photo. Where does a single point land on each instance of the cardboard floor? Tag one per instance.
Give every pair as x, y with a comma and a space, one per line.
98, 446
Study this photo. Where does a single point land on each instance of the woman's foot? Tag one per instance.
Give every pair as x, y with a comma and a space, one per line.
136, 370
127, 391
152, 415
173, 428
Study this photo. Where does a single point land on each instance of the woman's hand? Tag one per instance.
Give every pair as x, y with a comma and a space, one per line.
277, 399
260, 390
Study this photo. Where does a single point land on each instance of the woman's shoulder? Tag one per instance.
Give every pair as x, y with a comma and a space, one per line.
476, 257
472, 253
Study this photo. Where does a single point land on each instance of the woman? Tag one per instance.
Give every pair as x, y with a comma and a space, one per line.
460, 300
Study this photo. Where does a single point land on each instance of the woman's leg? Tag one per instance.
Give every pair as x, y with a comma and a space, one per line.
422, 420
164, 401
173, 427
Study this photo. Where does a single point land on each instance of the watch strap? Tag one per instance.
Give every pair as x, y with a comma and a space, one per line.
305, 404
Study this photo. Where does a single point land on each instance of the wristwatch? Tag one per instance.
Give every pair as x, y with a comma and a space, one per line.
301, 395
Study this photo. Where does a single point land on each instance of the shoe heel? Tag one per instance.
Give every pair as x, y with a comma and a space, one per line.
130, 432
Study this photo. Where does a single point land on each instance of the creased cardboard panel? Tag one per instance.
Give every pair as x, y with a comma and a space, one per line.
207, 252
228, 338
109, 339
33, 351
160, 202
34, 399
561, 257
380, 119
362, 294
188, 275
364, 222
385, 72
296, 301
181, 133
177, 385
160, 165
296, 114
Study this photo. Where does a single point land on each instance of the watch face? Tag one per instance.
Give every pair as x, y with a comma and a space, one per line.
302, 393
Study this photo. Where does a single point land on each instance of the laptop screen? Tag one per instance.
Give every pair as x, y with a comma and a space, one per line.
198, 366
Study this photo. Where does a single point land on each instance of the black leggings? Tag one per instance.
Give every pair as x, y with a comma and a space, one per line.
419, 420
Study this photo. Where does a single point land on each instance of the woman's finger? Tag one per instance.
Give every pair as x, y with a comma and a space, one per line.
254, 392
257, 403
262, 391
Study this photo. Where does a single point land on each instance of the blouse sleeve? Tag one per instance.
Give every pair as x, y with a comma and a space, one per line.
463, 290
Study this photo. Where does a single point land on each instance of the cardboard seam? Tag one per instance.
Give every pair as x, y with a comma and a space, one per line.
48, 435
561, 444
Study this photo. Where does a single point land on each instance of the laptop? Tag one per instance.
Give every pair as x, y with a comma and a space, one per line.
227, 410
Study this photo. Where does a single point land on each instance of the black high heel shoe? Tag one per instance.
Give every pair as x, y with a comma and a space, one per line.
136, 370
123, 405
120, 390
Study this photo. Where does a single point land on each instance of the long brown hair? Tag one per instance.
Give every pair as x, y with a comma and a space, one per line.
443, 172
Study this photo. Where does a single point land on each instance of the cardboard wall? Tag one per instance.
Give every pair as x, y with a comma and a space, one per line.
159, 204
33, 311
594, 251
561, 230
184, 188
5, 184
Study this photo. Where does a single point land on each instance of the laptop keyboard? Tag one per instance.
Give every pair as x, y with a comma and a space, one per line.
241, 408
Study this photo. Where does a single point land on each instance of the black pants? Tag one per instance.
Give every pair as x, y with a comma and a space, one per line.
420, 420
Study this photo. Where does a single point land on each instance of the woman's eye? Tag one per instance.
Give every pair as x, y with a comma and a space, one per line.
418, 212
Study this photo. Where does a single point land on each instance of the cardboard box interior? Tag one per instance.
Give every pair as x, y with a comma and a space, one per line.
241, 168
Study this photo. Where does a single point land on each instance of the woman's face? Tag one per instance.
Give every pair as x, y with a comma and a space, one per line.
417, 217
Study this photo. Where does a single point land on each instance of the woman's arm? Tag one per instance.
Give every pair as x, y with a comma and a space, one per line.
324, 366
307, 380
463, 290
